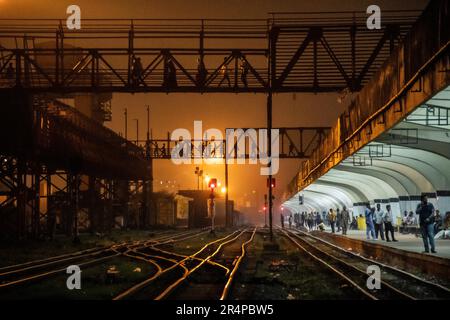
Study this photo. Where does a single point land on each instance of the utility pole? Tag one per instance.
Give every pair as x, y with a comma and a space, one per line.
269, 132
265, 211
148, 184
148, 123
137, 131
199, 174
271, 64
212, 184
126, 123
228, 215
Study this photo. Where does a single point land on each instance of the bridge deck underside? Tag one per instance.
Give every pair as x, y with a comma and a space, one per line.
405, 162
391, 144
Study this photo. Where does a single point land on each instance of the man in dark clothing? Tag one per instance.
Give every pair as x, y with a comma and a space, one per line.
370, 229
388, 227
170, 74
244, 72
345, 217
425, 211
332, 219
136, 75
282, 220
338, 219
202, 72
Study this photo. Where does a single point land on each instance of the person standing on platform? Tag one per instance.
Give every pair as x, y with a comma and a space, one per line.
282, 220
388, 227
290, 222
345, 218
318, 219
379, 218
310, 221
425, 210
405, 222
369, 222
332, 219
437, 222
338, 219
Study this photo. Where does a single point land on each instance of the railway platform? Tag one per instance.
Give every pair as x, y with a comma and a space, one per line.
407, 242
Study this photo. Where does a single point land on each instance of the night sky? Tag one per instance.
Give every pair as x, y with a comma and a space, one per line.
172, 111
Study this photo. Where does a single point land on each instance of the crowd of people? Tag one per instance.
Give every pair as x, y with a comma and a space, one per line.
379, 222
138, 73
339, 220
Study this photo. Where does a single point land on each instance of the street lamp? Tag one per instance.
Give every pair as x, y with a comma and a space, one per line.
137, 131
265, 216
223, 190
212, 184
199, 174
265, 211
207, 179
125, 113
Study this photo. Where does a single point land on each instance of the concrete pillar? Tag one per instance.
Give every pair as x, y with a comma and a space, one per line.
359, 208
443, 201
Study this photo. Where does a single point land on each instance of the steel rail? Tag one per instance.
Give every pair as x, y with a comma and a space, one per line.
229, 283
327, 265
437, 286
114, 249
132, 290
178, 282
340, 261
153, 247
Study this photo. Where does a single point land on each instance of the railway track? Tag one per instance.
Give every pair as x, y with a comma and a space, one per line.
395, 283
175, 270
18, 274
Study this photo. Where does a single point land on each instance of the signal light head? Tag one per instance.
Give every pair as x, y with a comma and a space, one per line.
271, 182
212, 183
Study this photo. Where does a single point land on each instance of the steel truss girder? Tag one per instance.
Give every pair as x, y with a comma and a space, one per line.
36, 202
330, 51
295, 143
50, 132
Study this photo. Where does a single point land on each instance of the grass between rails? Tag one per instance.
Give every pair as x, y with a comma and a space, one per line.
15, 252
306, 281
95, 284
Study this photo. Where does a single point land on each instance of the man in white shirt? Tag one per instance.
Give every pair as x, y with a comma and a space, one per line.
378, 219
388, 227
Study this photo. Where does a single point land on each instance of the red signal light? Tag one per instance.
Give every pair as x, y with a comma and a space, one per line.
271, 182
212, 183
